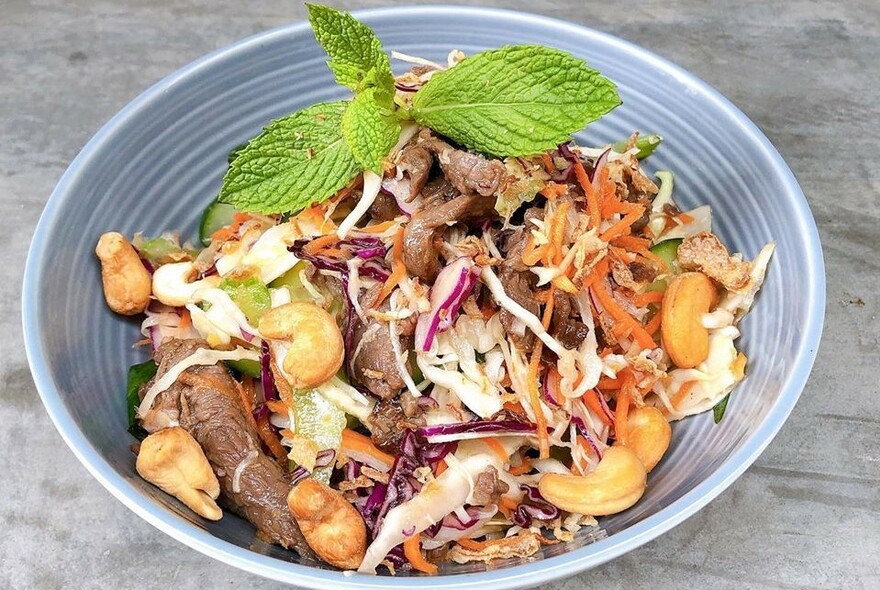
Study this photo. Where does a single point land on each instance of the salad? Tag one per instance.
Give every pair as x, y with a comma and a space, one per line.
423, 325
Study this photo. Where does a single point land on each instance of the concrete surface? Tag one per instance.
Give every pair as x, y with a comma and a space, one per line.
806, 515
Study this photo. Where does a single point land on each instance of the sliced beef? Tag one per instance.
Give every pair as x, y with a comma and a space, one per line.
210, 409
565, 324
384, 208
468, 172
420, 254
520, 285
390, 420
488, 489
373, 364
415, 165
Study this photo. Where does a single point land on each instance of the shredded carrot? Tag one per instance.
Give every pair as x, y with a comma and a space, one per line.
507, 503
608, 383
185, 319
631, 243
549, 166
356, 441
643, 299
514, 406
552, 190
398, 272
564, 283
621, 410
682, 393
267, 435
533, 252
612, 206
378, 228
634, 212
441, 467
335, 253
592, 198
654, 325
548, 308
540, 420
522, 468
497, 448
618, 313
591, 398
738, 368
471, 544
319, 244
685, 218
413, 551
277, 406
599, 272
558, 231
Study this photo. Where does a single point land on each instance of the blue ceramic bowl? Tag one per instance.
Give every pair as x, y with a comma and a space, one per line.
157, 163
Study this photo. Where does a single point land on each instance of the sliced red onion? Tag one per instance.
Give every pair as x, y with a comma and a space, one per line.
550, 393
587, 434
400, 189
533, 507
453, 285
600, 163
325, 458
266, 376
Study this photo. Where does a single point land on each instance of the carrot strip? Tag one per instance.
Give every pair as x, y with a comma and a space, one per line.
277, 406
471, 544
358, 442
592, 198
608, 383
540, 420
533, 252
621, 410
591, 398
441, 467
378, 228
654, 325
643, 299
267, 435
549, 166
631, 243
508, 504
515, 407
319, 244
599, 272
413, 551
497, 448
685, 218
522, 468
564, 283
619, 228
185, 318
398, 272
552, 190
558, 232
653, 259
618, 313
682, 393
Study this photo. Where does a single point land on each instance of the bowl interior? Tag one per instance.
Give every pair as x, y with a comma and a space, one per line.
160, 161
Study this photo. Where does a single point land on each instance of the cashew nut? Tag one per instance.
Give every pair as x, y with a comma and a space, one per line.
688, 296
617, 483
331, 526
648, 435
308, 339
173, 284
126, 281
172, 460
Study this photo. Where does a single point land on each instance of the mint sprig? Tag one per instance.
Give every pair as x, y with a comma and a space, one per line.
520, 100
515, 101
296, 161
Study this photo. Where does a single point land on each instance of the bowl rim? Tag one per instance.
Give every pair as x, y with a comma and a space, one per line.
530, 573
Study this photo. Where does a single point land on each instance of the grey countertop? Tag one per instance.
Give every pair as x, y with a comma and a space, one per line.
806, 515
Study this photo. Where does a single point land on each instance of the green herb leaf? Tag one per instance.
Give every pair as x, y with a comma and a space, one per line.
137, 376
251, 296
356, 55
516, 101
720, 408
296, 161
370, 128
646, 144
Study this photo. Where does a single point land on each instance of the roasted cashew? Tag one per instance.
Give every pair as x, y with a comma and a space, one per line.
688, 296
617, 483
331, 526
648, 435
172, 460
309, 341
173, 284
126, 281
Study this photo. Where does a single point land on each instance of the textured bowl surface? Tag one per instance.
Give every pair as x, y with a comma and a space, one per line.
161, 159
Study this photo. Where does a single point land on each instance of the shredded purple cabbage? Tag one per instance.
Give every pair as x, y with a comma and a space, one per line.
475, 428
587, 433
533, 507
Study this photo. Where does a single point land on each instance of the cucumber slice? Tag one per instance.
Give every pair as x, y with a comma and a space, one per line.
246, 367
294, 285
668, 251
216, 216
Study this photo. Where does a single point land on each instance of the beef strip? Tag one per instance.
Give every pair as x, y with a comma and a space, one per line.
374, 365
415, 165
390, 420
384, 208
210, 409
467, 171
420, 254
488, 489
565, 325
519, 284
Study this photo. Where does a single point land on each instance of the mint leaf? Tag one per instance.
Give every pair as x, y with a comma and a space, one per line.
516, 101
370, 129
356, 55
296, 161
720, 408
137, 376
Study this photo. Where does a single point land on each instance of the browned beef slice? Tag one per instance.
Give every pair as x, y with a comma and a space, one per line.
565, 325
211, 411
374, 366
384, 208
415, 164
488, 489
390, 420
468, 172
519, 284
420, 254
